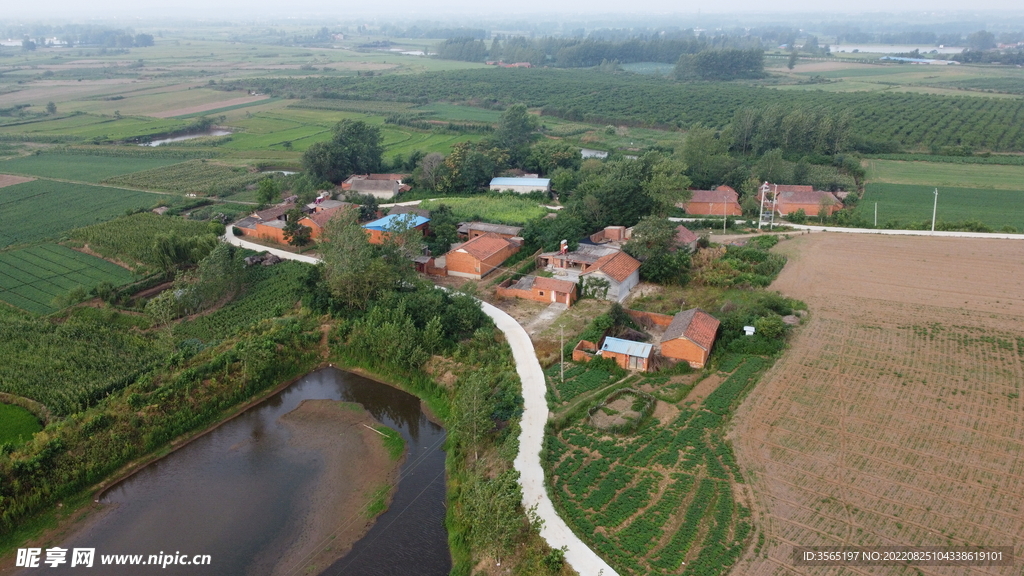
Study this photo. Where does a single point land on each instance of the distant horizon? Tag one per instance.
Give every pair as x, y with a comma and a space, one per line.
394, 11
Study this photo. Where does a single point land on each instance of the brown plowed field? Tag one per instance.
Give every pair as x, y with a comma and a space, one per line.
10, 180
896, 417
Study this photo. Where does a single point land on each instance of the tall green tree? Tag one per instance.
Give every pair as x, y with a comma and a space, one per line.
267, 192
355, 148
514, 133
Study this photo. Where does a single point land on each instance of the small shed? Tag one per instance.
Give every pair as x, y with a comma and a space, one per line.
627, 353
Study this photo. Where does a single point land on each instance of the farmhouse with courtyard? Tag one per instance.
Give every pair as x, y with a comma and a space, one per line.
790, 198
539, 289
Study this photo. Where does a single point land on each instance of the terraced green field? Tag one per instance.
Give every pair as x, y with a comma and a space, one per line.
89, 126
44, 209
31, 278
80, 167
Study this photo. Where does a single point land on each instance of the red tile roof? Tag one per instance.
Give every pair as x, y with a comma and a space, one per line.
274, 212
695, 325
807, 197
554, 285
721, 194
684, 235
321, 218
617, 265
791, 188
484, 246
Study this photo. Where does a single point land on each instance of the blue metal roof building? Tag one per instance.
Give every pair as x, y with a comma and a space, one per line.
627, 347
387, 223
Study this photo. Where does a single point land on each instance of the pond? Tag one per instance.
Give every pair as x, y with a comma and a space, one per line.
246, 494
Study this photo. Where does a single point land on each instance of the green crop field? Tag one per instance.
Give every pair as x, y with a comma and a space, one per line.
89, 126
650, 499
130, 239
269, 292
194, 176
505, 209
913, 205
31, 278
946, 174
44, 209
17, 425
80, 167
457, 113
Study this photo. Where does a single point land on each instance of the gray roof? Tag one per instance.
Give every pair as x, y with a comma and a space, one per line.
466, 227
248, 223
627, 347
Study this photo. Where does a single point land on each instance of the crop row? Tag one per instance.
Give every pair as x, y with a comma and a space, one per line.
31, 278
904, 119
268, 293
193, 176
43, 209
601, 481
71, 365
131, 238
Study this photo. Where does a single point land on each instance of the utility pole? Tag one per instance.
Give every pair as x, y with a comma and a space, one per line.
935, 207
876, 214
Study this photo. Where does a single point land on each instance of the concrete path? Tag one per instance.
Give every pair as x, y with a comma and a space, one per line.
531, 438
230, 238
993, 235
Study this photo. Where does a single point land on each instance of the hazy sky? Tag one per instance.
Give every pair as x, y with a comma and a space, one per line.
401, 9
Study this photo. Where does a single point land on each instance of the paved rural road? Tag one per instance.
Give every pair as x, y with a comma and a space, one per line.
531, 438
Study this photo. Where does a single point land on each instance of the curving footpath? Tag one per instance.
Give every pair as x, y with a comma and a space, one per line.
531, 438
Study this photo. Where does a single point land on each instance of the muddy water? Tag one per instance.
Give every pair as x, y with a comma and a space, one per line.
241, 494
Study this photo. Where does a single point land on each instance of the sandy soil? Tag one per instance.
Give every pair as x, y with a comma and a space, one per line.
896, 417
338, 508
9, 180
208, 106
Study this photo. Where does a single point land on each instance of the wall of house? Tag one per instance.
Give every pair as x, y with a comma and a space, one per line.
584, 351
503, 291
809, 209
270, 233
467, 266
617, 291
315, 231
713, 209
623, 360
683, 349
662, 320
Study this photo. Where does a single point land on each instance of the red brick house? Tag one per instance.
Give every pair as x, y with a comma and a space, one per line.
790, 198
539, 289
690, 337
721, 200
378, 229
479, 256
317, 221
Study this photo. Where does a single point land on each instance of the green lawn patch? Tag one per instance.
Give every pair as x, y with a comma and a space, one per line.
80, 167
901, 205
504, 209
17, 425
